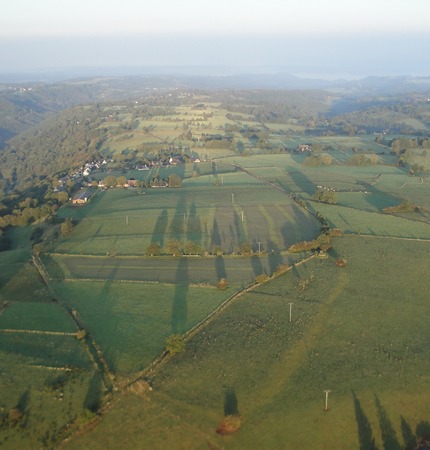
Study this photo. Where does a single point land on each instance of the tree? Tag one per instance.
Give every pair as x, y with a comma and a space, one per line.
222, 284
120, 181
37, 249
153, 249
174, 247
62, 197
325, 196
192, 248
110, 181
175, 181
66, 227
245, 248
175, 344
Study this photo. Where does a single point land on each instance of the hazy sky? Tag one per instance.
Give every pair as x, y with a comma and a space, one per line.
305, 35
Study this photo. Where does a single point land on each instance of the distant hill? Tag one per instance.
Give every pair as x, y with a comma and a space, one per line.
50, 127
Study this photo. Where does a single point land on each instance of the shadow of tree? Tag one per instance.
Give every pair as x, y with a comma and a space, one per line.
177, 225
407, 433
257, 266
23, 401
365, 435
423, 430
274, 256
388, 434
216, 238
180, 298
231, 406
93, 397
194, 230
220, 267
160, 228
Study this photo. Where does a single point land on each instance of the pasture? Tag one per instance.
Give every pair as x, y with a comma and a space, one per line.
125, 222
359, 331
45, 373
131, 321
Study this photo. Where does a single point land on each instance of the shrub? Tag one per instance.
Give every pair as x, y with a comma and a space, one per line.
175, 344
229, 425
261, 278
222, 284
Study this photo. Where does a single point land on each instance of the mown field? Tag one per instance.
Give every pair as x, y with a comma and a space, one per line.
242, 209
46, 376
359, 331
131, 321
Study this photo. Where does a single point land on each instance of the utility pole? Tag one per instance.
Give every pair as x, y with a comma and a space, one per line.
326, 400
232, 198
242, 216
259, 245
291, 308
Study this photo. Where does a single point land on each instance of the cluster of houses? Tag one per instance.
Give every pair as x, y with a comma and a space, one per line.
85, 194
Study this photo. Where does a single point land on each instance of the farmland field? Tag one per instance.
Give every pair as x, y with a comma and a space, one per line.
352, 332
131, 321
346, 334
125, 222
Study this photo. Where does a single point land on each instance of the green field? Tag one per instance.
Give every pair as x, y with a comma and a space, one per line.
359, 331
36, 316
125, 222
131, 321
352, 331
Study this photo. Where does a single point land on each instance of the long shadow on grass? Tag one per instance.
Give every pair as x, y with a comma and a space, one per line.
365, 435
301, 227
216, 238
257, 266
93, 399
160, 228
423, 431
374, 194
388, 434
302, 182
177, 226
194, 230
108, 302
407, 433
220, 268
180, 298
238, 226
231, 405
275, 258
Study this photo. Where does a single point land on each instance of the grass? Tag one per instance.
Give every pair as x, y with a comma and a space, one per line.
122, 222
45, 350
371, 223
352, 332
36, 316
238, 270
49, 401
130, 322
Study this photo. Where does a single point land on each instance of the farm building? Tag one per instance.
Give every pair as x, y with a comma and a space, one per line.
132, 183
82, 197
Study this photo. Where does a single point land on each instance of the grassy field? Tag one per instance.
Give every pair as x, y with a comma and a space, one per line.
125, 222
358, 331
36, 316
131, 321
237, 270
49, 400
46, 377
354, 331
371, 223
